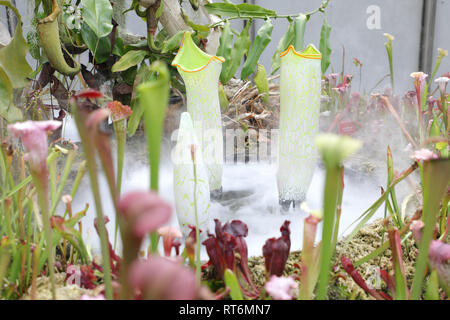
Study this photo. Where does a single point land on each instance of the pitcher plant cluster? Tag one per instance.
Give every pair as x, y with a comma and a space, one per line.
41, 236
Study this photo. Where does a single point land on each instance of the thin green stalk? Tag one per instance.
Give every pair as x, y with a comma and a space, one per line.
42, 192
329, 213
436, 177
89, 152
120, 128
154, 99
58, 193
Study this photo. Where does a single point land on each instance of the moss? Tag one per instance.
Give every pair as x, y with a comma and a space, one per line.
342, 285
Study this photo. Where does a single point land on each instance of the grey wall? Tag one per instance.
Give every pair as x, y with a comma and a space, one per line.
442, 34
348, 19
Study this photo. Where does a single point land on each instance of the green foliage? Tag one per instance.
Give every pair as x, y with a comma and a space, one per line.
262, 39
299, 27
262, 84
325, 46
129, 59
100, 47
233, 62
232, 283
98, 16
283, 44
239, 10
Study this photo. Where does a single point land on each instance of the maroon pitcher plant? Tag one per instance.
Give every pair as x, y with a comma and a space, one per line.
276, 251
228, 250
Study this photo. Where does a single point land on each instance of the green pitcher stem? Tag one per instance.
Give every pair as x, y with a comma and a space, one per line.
39, 180
330, 200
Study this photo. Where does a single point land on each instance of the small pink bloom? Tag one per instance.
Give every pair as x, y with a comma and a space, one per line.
119, 111
160, 279
442, 84
169, 234
281, 288
34, 138
332, 79
424, 154
143, 212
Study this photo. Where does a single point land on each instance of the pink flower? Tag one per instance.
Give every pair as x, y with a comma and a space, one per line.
143, 212
169, 234
442, 84
162, 279
281, 288
119, 111
438, 253
424, 154
332, 79
34, 138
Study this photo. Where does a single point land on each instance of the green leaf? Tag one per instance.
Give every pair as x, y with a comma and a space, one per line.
101, 47
13, 57
160, 10
173, 42
432, 291
239, 10
325, 46
7, 110
98, 16
231, 282
226, 42
262, 39
284, 43
240, 48
300, 26
262, 84
128, 60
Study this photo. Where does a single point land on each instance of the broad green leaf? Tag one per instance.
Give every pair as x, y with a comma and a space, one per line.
226, 42
173, 42
7, 109
262, 84
299, 26
239, 10
101, 47
128, 60
240, 48
98, 16
13, 56
262, 39
325, 46
232, 283
284, 43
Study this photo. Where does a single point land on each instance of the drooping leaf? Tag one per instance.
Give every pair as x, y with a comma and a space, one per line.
284, 43
97, 14
262, 39
240, 48
299, 26
226, 42
128, 60
325, 46
239, 10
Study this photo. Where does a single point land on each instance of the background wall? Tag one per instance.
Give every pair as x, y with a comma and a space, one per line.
353, 27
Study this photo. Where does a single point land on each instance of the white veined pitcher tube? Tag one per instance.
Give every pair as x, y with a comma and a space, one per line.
191, 188
200, 72
300, 79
